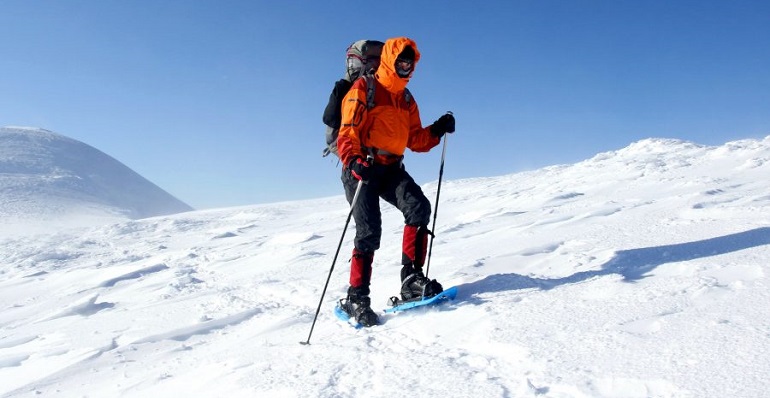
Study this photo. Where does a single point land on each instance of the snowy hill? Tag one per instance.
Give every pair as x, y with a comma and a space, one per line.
641, 272
48, 180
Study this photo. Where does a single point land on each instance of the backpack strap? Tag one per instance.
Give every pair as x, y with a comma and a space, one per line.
369, 90
370, 86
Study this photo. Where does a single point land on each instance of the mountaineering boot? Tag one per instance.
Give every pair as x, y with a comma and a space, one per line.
414, 284
358, 307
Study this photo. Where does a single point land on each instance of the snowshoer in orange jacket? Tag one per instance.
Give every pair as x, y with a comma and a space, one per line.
383, 129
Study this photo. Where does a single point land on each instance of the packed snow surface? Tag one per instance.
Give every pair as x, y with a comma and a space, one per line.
640, 272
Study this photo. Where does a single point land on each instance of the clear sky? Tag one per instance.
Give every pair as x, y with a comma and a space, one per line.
220, 102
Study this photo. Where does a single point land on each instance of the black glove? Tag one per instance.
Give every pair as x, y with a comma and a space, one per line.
360, 168
444, 124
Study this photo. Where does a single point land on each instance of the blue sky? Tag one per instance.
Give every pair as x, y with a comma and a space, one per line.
220, 102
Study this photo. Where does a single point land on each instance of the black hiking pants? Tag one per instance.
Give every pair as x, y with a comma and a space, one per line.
393, 184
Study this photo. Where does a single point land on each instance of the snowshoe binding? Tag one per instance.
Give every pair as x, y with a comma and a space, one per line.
418, 287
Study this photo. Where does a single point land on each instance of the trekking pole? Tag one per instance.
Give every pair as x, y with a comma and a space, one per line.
339, 246
435, 212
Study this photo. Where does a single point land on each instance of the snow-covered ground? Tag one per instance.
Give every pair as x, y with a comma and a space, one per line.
638, 273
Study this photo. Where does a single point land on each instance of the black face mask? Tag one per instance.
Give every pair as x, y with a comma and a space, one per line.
404, 66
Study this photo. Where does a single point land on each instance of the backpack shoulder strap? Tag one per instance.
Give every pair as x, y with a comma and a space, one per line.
369, 90
370, 86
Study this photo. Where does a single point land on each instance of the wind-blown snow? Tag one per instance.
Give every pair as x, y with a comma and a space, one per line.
48, 181
638, 273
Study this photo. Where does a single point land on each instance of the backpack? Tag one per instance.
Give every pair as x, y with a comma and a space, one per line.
357, 57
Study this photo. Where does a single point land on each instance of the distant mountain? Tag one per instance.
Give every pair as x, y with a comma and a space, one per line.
48, 180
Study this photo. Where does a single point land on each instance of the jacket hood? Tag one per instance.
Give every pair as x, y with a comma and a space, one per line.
386, 73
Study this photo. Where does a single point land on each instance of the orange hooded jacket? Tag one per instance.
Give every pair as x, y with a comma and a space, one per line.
390, 127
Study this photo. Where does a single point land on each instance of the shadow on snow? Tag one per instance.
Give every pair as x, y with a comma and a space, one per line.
632, 264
